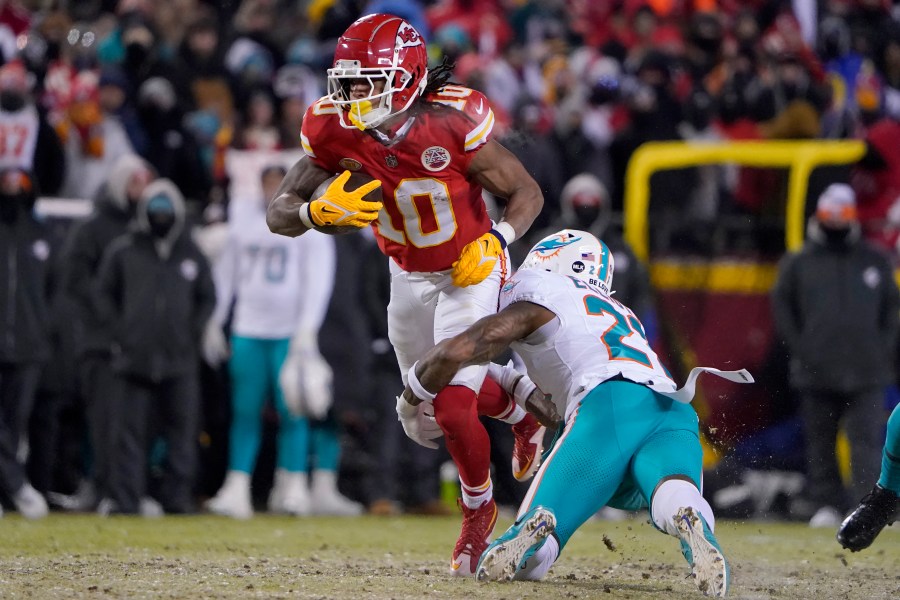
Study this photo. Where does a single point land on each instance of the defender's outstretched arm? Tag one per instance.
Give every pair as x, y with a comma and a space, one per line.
481, 342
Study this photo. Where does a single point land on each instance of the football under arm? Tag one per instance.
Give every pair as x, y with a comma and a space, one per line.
484, 340
283, 213
500, 172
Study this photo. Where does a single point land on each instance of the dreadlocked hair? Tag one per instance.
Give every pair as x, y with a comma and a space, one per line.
439, 76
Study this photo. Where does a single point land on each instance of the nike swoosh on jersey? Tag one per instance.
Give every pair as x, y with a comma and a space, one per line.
480, 108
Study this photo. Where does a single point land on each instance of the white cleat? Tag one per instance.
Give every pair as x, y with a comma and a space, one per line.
327, 500
506, 555
233, 498
700, 548
290, 494
149, 508
30, 503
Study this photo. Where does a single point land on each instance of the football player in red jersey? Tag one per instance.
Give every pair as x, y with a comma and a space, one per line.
428, 144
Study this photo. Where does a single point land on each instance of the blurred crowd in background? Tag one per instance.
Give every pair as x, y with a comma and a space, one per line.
576, 87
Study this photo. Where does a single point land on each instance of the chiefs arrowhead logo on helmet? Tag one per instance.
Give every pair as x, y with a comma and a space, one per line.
407, 36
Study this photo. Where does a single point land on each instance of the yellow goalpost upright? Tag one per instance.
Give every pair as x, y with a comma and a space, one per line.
800, 157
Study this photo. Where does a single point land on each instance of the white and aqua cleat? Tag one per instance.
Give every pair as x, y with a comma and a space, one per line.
506, 555
701, 549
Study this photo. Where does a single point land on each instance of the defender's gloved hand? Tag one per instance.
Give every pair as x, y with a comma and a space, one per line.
418, 422
344, 208
478, 258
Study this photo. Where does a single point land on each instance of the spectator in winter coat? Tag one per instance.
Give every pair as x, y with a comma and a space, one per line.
83, 251
836, 306
24, 334
155, 294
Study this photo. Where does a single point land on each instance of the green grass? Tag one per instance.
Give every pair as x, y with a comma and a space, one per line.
83, 556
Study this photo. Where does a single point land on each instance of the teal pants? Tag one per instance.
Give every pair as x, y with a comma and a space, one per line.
890, 456
254, 367
622, 440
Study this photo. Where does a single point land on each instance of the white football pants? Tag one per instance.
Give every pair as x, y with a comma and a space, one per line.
426, 308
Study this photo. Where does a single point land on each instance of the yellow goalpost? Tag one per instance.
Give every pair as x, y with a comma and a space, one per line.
801, 157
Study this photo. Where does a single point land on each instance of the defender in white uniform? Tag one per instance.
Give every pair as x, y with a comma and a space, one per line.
630, 439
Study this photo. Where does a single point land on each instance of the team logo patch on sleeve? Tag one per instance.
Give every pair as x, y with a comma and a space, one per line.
435, 158
350, 164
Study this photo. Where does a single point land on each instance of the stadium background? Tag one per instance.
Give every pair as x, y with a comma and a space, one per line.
577, 87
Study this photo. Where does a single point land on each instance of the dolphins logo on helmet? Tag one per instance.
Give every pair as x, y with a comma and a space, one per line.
575, 253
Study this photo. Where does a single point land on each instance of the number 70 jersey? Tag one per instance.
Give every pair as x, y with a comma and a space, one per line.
593, 338
431, 208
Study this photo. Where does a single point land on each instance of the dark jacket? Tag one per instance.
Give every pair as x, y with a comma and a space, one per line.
84, 248
155, 296
24, 315
836, 307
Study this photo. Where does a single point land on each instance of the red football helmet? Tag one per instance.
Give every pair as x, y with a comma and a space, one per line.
381, 50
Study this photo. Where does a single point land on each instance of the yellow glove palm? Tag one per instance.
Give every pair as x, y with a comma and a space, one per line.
341, 207
478, 259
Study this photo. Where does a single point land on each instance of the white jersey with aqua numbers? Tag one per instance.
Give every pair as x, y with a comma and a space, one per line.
593, 338
279, 285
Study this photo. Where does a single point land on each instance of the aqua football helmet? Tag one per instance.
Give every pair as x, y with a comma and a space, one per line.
575, 253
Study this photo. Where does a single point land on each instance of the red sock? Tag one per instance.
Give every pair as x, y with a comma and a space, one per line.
493, 400
465, 436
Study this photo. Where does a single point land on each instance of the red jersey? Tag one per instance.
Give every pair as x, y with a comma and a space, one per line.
431, 208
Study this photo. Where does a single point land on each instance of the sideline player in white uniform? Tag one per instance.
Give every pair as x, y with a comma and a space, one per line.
630, 439
281, 288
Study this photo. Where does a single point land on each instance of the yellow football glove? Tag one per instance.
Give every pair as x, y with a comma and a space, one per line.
477, 259
341, 207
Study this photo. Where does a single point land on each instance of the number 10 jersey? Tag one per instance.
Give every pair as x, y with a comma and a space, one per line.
431, 208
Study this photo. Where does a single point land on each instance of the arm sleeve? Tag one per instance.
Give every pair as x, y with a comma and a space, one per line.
317, 265
225, 272
204, 294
